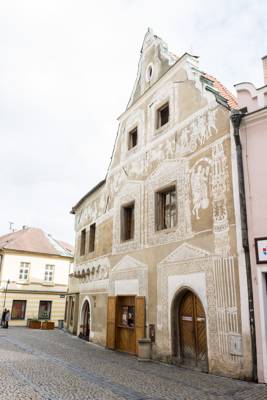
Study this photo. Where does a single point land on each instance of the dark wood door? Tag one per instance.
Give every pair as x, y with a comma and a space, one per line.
193, 339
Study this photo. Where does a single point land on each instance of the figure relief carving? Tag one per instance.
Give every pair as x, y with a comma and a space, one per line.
195, 134
199, 187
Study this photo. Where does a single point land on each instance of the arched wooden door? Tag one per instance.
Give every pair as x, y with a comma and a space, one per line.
193, 340
86, 321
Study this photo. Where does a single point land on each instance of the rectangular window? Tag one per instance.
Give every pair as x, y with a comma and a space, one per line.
92, 238
49, 273
127, 222
18, 309
166, 211
24, 271
163, 115
132, 138
71, 311
44, 309
83, 241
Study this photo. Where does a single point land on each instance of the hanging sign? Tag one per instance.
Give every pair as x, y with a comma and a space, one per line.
261, 250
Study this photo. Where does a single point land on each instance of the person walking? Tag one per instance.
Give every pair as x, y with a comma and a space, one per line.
3, 319
7, 318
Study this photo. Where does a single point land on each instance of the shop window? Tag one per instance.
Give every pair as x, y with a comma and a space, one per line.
24, 271
132, 138
49, 273
166, 210
92, 238
44, 309
127, 222
128, 316
163, 115
83, 241
18, 309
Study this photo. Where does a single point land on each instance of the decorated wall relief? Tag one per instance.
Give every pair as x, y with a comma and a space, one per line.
197, 133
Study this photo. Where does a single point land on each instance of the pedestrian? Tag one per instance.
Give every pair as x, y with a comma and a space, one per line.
3, 319
7, 318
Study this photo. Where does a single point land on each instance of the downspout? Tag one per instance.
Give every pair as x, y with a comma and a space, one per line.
236, 117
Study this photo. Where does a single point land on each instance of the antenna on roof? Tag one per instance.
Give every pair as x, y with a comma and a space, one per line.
11, 229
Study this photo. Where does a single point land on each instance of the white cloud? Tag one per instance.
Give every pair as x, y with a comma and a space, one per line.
66, 72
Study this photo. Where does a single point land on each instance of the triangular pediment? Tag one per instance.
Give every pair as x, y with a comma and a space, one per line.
156, 56
128, 263
185, 252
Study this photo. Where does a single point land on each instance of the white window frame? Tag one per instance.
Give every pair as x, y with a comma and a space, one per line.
24, 270
49, 273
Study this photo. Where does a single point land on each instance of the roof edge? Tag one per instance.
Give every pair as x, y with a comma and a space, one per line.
94, 189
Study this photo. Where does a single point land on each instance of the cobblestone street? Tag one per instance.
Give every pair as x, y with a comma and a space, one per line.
54, 365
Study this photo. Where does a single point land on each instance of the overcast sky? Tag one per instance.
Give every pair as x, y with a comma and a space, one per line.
66, 73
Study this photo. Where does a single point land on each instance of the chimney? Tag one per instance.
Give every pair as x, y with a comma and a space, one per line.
264, 64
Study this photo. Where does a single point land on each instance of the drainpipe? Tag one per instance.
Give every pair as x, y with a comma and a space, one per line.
236, 117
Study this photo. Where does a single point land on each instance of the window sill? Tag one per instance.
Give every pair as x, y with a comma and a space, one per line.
23, 283
165, 230
161, 129
48, 284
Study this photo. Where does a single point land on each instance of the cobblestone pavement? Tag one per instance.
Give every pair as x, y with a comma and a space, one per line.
53, 365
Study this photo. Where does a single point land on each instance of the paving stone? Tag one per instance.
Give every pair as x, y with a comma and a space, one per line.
53, 365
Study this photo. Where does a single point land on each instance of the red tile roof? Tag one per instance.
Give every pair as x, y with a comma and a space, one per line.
35, 240
223, 91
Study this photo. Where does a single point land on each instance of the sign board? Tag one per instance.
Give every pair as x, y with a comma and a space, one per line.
261, 250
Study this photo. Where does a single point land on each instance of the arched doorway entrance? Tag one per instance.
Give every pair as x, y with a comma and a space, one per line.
85, 321
189, 333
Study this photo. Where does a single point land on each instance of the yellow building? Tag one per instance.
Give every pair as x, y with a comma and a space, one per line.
33, 275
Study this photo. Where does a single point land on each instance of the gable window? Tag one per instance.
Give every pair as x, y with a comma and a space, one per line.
92, 238
132, 138
24, 271
166, 210
163, 115
127, 222
18, 309
83, 241
44, 309
49, 273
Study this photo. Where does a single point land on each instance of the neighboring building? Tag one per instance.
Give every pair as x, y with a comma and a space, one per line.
253, 136
34, 275
158, 243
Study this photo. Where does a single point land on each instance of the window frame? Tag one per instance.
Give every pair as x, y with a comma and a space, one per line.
127, 233
24, 310
49, 274
23, 268
133, 133
160, 109
161, 208
50, 310
92, 236
83, 242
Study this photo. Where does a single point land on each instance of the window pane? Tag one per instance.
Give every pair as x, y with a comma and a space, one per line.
45, 309
18, 309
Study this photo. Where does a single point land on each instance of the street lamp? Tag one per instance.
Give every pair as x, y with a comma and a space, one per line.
8, 282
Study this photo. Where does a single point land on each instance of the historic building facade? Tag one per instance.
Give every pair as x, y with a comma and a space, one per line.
34, 271
252, 103
158, 242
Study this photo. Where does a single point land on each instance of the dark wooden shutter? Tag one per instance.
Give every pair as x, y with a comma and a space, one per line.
111, 322
140, 316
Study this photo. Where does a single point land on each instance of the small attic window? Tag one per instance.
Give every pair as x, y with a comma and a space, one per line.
132, 138
149, 72
163, 115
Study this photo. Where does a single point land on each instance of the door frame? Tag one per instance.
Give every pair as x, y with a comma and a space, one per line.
81, 322
175, 325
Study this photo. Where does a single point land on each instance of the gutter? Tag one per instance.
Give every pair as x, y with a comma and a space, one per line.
236, 117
